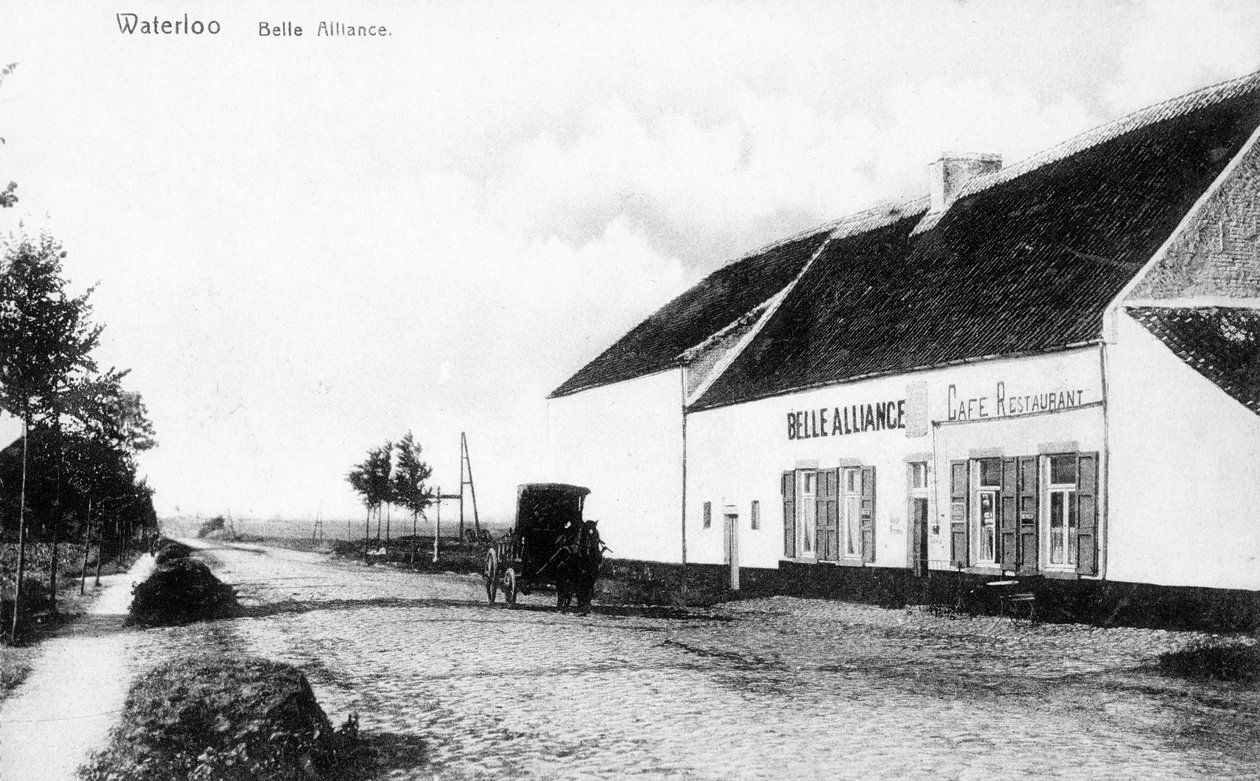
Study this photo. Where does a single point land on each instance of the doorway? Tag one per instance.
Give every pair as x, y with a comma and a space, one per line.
919, 535
730, 526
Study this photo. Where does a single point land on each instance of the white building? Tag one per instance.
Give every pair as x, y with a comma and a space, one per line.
1048, 370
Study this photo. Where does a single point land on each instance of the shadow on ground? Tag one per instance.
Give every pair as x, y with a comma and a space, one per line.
294, 606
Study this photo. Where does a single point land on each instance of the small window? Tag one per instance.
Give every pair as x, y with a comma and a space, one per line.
708, 514
1063, 470
918, 475
991, 472
853, 481
754, 514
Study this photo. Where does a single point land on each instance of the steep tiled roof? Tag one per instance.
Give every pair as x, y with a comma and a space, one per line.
714, 303
1221, 343
1024, 261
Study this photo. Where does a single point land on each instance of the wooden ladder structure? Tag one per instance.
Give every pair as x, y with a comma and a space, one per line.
466, 479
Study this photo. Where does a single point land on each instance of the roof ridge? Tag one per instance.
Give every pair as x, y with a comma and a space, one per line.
1136, 120
891, 210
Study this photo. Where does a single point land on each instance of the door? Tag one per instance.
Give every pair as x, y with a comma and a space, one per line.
730, 525
919, 532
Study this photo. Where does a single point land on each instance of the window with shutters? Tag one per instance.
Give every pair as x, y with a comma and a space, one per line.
1069, 506
829, 514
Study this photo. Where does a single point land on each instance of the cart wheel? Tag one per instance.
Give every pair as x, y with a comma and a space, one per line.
509, 586
491, 575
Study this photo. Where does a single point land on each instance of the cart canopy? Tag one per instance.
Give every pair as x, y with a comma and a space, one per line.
542, 511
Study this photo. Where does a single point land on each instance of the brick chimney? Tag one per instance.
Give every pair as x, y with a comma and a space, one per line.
948, 176
951, 173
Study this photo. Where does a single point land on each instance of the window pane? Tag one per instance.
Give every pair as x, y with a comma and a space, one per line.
1071, 535
991, 471
1063, 470
987, 524
1056, 527
851, 544
755, 514
918, 475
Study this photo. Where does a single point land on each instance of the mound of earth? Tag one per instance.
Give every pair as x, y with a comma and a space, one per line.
180, 591
170, 550
222, 718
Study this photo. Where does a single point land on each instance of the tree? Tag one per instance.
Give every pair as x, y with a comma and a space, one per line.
46, 341
410, 486
380, 464
358, 477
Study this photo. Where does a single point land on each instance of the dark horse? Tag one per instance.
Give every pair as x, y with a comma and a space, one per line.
579, 554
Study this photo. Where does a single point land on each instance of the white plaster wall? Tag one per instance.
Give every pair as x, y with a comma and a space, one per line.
737, 454
1185, 467
624, 442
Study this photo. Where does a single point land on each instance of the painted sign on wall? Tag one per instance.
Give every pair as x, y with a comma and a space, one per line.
1004, 404
851, 419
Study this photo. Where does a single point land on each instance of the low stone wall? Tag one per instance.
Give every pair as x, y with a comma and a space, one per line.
1103, 603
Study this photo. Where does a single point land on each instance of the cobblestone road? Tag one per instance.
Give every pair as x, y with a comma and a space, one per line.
448, 687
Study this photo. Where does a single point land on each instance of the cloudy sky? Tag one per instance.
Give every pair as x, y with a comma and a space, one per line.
305, 246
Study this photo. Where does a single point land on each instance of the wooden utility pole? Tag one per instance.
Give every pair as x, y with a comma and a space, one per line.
466, 478
437, 529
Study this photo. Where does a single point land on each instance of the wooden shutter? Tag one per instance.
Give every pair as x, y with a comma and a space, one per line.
827, 503
867, 514
1008, 531
1087, 514
788, 485
958, 491
1028, 504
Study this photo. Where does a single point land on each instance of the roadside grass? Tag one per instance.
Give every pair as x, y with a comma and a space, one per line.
1222, 659
220, 717
15, 665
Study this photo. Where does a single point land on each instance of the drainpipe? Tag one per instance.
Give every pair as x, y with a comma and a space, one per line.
682, 375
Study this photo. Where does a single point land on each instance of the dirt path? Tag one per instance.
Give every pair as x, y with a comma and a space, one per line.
65, 707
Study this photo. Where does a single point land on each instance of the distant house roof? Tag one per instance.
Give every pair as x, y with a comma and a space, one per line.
1017, 265
1024, 260
1221, 343
714, 303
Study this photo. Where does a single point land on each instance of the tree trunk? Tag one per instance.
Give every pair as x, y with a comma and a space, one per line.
56, 520
388, 508
413, 539
367, 533
100, 550
87, 544
17, 590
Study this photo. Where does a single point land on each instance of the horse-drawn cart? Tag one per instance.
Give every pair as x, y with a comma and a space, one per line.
550, 545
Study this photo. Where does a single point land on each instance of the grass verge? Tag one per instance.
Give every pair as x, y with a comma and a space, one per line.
1216, 659
227, 718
